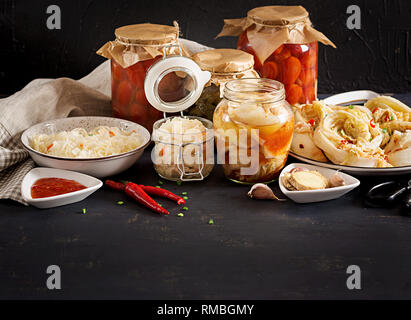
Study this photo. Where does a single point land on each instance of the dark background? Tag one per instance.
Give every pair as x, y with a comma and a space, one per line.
376, 57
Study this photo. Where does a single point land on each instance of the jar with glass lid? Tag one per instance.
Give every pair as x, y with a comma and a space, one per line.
183, 145
284, 45
134, 50
253, 126
224, 65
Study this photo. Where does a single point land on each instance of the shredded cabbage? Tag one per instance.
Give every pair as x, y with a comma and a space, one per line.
78, 143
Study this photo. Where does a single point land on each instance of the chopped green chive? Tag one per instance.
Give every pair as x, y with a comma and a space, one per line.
185, 208
120, 203
160, 205
158, 187
384, 130
160, 182
351, 107
84, 211
178, 182
211, 221
392, 118
181, 215
184, 193
185, 197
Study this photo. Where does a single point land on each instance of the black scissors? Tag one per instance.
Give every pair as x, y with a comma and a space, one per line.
388, 194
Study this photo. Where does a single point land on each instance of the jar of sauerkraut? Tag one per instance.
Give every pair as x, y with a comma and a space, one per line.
135, 49
184, 146
253, 126
224, 65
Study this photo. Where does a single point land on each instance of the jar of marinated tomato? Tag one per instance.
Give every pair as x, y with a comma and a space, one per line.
284, 45
224, 65
134, 50
253, 126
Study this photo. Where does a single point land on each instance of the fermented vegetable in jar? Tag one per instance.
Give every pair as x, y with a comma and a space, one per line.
184, 148
253, 126
135, 49
284, 46
224, 65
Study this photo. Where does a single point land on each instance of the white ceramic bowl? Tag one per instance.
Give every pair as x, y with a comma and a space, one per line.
310, 196
32, 176
97, 167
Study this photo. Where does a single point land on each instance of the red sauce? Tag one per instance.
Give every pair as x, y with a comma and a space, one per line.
49, 187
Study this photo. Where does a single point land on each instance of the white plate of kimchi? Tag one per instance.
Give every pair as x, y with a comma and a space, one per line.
369, 139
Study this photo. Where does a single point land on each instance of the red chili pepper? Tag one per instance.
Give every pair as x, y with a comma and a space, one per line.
115, 185
344, 141
387, 118
163, 193
375, 110
48, 148
137, 193
372, 124
311, 122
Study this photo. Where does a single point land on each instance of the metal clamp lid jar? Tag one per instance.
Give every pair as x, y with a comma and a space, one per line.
184, 146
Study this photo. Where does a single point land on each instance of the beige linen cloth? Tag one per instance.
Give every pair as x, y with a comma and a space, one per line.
47, 99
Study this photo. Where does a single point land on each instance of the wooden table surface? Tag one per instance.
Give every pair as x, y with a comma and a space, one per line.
254, 249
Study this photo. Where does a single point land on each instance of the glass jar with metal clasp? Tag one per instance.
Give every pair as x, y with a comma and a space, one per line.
184, 145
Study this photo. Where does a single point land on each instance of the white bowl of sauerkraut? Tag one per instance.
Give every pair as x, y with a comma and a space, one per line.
98, 146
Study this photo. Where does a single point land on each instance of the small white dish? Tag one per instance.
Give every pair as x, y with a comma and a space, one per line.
35, 174
310, 196
97, 167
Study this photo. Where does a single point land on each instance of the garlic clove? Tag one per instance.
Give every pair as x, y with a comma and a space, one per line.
336, 181
262, 192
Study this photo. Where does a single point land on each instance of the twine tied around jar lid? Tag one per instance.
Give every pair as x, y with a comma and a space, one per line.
271, 26
141, 42
225, 65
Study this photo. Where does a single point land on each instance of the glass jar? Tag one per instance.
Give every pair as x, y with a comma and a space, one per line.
224, 65
284, 45
135, 50
128, 100
184, 148
295, 65
253, 126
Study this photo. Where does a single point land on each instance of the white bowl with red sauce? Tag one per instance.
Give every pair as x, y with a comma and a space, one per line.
49, 188
96, 167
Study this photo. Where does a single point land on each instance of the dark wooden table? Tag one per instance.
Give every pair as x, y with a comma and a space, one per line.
254, 249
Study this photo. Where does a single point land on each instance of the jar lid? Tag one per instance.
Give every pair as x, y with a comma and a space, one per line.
224, 60
278, 15
148, 34
174, 83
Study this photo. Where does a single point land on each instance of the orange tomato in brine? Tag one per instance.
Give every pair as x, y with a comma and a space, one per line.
269, 70
136, 74
293, 93
295, 49
283, 55
124, 92
141, 98
291, 70
138, 113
